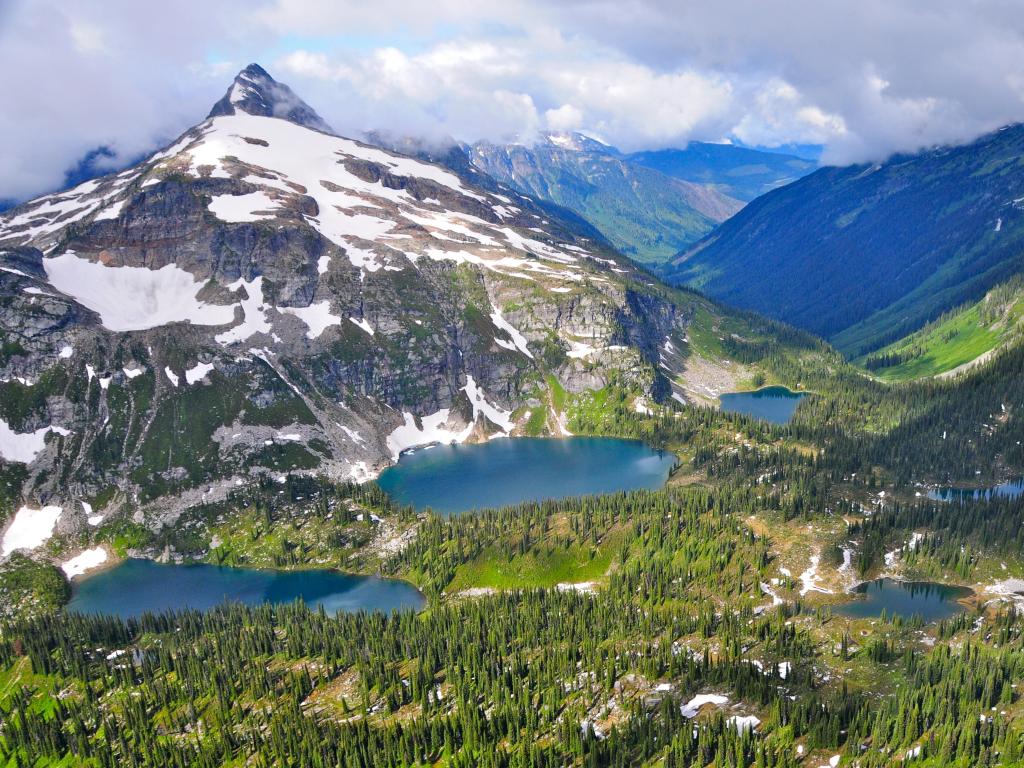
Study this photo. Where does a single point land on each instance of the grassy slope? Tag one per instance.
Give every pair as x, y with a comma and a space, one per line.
957, 338
548, 563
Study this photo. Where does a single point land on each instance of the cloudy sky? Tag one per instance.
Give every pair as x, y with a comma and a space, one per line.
862, 78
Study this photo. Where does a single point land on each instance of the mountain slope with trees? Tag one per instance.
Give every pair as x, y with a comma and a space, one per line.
866, 254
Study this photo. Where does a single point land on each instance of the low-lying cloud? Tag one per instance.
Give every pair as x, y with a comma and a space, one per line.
864, 79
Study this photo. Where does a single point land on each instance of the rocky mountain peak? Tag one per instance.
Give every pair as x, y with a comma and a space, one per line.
576, 142
255, 92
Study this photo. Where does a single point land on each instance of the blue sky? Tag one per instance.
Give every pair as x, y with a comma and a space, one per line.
860, 79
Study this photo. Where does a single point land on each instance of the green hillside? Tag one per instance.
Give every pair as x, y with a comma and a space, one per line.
648, 216
865, 255
956, 339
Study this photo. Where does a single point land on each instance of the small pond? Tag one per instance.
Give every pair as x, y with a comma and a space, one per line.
929, 600
773, 404
135, 586
457, 478
1010, 490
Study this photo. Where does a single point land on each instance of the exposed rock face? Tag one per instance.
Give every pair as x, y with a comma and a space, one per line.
262, 296
255, 92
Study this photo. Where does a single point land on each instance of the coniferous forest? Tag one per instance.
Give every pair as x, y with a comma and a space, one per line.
457, 421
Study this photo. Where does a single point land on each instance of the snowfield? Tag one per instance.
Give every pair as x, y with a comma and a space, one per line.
242, 208
84, 561
316, 316
198, 372
435, 427
25, 446
134, 298
254, 316
518, 340
693, 706
30, 528
434, 430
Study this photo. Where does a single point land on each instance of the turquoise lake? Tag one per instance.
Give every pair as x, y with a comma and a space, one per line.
773, 404
136, 586
457, 478
930, 601
1010, 490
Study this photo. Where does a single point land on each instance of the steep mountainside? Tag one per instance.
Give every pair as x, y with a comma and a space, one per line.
739, 172
867, 254
262, 296
959, 340
646, 215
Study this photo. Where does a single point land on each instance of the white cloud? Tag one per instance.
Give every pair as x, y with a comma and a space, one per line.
874, 78
512, 87
778, 114
87, 38
564, 118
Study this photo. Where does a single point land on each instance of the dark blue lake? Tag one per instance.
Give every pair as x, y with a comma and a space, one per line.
774, 404
136, 586
926, 599
1010, 490
457, 478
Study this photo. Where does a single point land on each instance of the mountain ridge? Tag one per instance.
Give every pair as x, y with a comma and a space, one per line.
255, 92
741, 172
866, 254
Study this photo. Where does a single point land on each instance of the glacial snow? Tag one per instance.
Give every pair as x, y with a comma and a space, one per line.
243, 208
30, 528
363, 324
692, 707
84, 561
91, 519
435, 427
23, 447
495, 415
518, 340
254, 318
317, 317
198, 372
134, 298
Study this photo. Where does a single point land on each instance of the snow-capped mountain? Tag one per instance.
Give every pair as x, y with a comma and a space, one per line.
255, 92
265, 296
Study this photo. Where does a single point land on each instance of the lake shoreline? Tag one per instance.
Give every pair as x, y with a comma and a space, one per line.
457, 479
125, 589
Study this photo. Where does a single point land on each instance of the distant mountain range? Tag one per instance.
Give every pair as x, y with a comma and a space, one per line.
646, 212
741, 173
867, 254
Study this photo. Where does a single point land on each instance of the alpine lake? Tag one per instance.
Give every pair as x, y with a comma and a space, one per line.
772, 404
929, 600
449, 479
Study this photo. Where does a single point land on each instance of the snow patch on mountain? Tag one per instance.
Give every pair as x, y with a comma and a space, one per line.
84, 561
432, 429
254, 317
242, 208
134, 298
363, 324
23, 447
31, 528
494, 414
317, 317
198, 372
518, 340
